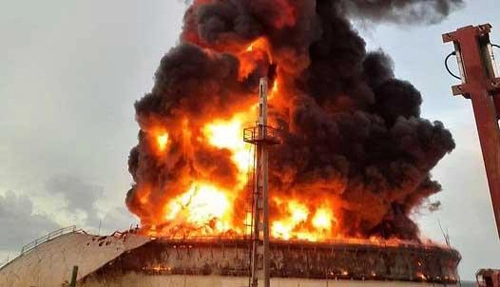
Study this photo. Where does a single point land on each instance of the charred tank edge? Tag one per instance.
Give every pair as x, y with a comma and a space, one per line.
289, 259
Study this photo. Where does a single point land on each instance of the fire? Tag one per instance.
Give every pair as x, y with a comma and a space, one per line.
421, 276
162, 141
207, 209
200, 205
260, 45
323, 219
229, 135
225, 134
275, 89
286, 228
253, 56
302, 222
352, 163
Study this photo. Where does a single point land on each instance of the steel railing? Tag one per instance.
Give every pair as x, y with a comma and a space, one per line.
261, 134
54, 234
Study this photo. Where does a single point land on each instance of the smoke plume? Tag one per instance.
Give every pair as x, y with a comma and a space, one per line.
402, 11
353, 137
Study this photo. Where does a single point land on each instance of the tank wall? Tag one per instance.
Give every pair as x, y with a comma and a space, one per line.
131, 260
142, 280
51, 263
290, 261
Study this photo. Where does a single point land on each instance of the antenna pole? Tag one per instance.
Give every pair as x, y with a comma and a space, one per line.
260, 266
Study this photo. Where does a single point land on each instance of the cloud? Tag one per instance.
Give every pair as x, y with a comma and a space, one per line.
83, 198
20, 223
80, 195
118, 218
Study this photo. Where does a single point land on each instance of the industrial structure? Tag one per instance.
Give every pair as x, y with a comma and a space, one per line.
488, 278
262, 135
481, 84
130, 259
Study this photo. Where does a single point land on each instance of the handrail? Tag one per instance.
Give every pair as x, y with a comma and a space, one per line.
5, 262
54, 234
261, 134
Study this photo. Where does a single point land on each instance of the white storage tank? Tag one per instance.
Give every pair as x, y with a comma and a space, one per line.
129, 259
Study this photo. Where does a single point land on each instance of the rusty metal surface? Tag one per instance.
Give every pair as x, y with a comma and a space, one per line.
406, 262
488, 278
483, 89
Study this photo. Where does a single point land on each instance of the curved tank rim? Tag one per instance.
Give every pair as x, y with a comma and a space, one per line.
355, 243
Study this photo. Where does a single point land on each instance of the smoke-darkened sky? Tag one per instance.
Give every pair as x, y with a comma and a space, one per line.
70, 73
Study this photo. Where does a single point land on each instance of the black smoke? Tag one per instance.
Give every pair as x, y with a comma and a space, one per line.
351, 130
402, 11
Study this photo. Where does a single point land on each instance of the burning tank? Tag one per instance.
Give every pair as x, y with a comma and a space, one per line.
355, 154
353, 164
130, 259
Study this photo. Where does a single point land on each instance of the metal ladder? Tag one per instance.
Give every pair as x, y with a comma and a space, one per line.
249, 210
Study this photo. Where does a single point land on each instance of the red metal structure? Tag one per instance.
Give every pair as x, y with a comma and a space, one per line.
488, 278
481, 84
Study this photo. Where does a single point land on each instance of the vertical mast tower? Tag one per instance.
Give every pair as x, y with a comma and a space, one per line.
261, 136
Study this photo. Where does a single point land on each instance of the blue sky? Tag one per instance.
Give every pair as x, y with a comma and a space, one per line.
71, 70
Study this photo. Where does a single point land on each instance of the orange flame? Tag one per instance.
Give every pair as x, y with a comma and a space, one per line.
207, 209
229, 135
256, 53
162, 141
210, 208
200, 205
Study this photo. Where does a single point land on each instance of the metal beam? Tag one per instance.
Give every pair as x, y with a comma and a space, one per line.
260, 248
481, 84
74, 275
